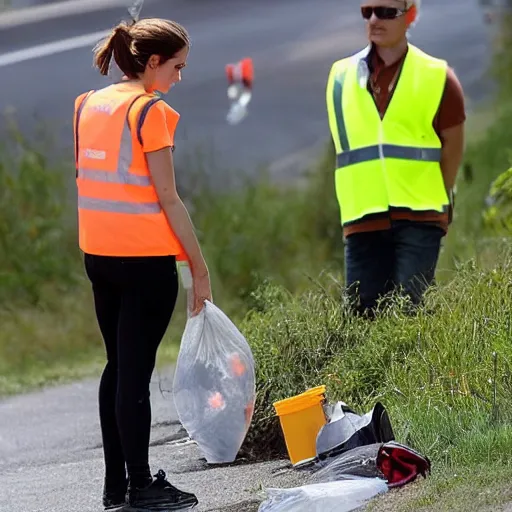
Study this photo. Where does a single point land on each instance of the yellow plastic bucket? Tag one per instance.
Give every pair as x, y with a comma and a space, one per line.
301, 419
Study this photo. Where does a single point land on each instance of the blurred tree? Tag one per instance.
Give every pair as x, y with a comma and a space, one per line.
502, 61
498, 214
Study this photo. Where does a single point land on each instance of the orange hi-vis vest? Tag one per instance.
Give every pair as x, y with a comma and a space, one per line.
119, 213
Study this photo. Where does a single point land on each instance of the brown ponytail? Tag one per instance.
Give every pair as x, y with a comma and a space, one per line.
132, 45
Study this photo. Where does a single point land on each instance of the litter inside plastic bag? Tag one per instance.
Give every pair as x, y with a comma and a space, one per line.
341, 496
214, 384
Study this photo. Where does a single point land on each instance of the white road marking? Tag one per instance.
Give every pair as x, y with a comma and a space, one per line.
44, 50
17, 17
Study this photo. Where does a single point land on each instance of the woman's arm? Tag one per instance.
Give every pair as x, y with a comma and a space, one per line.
161, 167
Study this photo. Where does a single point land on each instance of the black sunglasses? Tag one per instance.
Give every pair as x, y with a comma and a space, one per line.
383, 13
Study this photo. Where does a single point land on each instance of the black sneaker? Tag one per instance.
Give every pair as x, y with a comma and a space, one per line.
159, 496
114, 499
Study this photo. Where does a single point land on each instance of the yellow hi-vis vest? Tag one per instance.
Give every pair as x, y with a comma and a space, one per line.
393, 162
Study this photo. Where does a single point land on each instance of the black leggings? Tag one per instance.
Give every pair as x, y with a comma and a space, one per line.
134, 301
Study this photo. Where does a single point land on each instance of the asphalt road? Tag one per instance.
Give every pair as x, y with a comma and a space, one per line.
51, 455
292, 42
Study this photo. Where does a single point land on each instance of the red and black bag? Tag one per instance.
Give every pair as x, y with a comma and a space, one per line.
400, 464
354, 445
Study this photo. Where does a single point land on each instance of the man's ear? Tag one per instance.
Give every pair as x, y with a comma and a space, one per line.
411, 14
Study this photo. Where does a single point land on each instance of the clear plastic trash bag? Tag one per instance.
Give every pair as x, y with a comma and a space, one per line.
358, 462
214, 384
341, 496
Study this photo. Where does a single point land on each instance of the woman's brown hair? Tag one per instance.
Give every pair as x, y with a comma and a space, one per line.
132, 45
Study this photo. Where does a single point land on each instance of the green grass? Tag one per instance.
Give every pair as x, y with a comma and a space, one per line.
443, 375
58, 341
252, 233
434, 372
33, 227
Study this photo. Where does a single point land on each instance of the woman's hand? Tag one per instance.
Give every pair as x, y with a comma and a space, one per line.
202, 292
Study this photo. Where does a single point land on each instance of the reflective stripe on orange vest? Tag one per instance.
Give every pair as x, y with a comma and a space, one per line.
102, 205
119, 210
122, 175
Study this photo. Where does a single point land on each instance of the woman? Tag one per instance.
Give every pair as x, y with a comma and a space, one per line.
133, 227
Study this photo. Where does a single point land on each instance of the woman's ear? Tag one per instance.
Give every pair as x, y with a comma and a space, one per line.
154, 61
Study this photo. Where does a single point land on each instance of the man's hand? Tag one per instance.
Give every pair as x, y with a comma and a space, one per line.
452, 152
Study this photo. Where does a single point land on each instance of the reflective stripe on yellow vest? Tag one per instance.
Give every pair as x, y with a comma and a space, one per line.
393, 162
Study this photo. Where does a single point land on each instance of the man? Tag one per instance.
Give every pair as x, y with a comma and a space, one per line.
396, 116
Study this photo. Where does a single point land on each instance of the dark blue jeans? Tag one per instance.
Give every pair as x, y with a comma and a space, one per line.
378, 262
